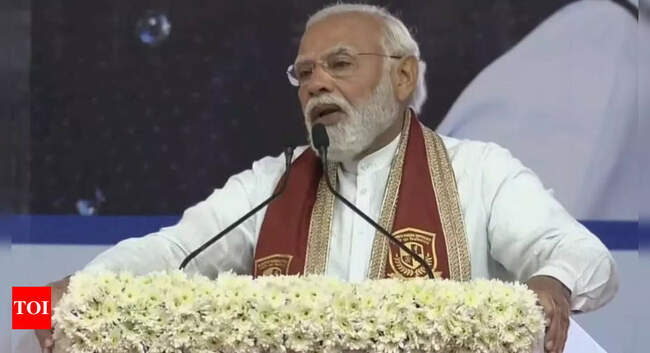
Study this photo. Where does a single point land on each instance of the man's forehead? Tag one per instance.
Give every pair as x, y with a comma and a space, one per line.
340, 48
356, 32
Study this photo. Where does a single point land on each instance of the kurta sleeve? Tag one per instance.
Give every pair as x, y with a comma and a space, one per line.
166, 248
531, 234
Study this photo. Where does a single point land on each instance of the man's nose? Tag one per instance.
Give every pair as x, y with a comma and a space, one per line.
319, 83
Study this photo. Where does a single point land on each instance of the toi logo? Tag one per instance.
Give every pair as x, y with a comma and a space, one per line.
31, 308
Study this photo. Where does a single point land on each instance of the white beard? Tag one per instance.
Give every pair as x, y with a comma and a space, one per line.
362, 125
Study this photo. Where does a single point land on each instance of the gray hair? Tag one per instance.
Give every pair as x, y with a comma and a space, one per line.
397, 40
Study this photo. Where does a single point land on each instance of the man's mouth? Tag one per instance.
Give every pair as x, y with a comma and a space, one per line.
326, 114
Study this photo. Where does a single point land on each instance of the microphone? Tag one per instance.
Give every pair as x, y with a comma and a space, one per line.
288, 155
321, 142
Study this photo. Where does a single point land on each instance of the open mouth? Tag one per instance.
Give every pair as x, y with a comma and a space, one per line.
325, 113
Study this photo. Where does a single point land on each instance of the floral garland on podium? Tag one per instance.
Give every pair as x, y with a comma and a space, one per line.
173, 312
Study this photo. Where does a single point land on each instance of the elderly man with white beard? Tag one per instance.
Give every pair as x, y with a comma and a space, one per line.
473, 210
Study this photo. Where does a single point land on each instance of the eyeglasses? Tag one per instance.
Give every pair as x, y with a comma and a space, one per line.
337, 65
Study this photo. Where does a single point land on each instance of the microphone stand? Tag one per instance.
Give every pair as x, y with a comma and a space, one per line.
323, 153
288, 154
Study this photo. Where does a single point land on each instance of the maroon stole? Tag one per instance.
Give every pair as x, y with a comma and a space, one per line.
420, 208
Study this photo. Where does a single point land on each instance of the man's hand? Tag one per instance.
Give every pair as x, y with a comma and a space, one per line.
555, 298
44, 337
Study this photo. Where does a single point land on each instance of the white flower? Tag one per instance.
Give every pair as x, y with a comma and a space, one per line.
170, 311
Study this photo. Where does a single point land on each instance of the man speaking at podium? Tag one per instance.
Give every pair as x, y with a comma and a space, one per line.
468, 208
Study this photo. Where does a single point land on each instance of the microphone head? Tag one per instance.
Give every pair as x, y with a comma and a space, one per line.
319, 137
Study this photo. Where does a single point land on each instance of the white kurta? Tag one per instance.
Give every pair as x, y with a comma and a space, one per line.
515, 228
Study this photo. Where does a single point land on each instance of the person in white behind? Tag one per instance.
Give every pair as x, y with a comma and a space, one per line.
564, 101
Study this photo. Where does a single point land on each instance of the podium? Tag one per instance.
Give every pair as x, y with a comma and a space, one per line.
179, 313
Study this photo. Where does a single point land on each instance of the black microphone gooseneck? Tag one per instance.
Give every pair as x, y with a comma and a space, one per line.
321, 143
288, 155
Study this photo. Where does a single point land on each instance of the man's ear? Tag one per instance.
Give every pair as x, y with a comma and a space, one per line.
405, 77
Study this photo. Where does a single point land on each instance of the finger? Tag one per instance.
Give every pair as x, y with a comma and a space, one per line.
547, 307
564, 331
562, 317
557, 332
551, 333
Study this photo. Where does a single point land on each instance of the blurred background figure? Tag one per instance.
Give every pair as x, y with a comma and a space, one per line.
564, 101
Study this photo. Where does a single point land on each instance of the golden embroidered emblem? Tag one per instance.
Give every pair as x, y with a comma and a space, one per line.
273, 265
422, 243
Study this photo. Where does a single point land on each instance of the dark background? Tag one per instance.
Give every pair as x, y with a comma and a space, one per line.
156, 129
